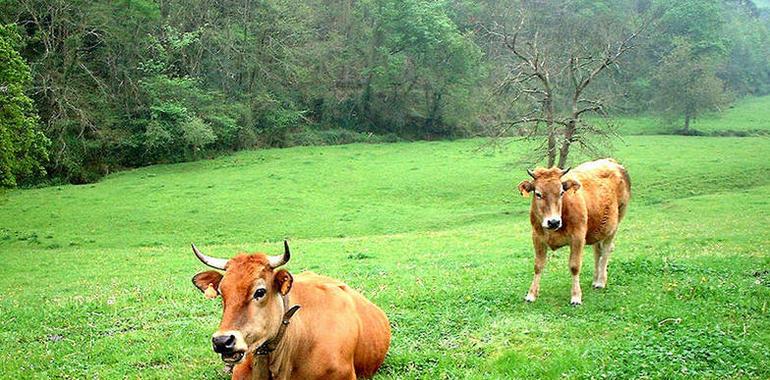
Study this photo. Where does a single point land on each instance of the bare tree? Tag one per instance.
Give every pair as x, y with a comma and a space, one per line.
551, 72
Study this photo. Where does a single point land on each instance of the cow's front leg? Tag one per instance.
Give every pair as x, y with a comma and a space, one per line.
575, 262
541, 256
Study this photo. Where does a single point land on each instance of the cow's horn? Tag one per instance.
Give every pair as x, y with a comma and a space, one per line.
277, 261
564, 172
531, 174
208, 260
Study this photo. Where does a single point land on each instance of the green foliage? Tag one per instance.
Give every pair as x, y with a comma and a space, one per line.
701, 22
275, 123
687, 84
747, 69
420, 71
175, 128
123, 84
22, 145
338, 136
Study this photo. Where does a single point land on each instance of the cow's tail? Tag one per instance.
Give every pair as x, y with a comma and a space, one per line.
626, 178
624, 192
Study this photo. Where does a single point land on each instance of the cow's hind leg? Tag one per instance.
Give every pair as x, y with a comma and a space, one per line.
602, 252
597, 255
541, 256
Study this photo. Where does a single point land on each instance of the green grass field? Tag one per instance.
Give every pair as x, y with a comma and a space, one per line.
749, 116
96, 278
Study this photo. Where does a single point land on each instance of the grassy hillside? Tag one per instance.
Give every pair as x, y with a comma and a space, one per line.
97, 277
749, 116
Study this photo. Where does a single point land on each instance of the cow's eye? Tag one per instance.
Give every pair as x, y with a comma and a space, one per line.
259, 293
539, 196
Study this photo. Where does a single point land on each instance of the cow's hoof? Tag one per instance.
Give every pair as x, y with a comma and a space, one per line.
598, 285
576, 301
529, 298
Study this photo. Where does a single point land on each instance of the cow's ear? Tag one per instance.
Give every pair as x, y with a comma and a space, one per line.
570, 184
283, 281
526, 187
208, 282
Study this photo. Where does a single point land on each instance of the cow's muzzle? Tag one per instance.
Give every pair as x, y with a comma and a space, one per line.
225, 345
552, 223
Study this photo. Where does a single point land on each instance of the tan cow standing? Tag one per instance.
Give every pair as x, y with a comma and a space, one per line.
278, 326
576, 207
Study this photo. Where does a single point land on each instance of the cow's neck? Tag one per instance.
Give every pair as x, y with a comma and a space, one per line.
288, 312
279, 361
277, 364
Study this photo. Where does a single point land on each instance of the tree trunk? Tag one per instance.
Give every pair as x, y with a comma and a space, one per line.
373, 58
571, 128
569, 132
551, 145
549, 109
433, 121
686, 121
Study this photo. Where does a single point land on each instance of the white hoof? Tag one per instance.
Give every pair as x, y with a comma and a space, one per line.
530, 298
598, 285
576, 301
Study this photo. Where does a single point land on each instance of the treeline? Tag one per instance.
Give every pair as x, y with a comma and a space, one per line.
119, 84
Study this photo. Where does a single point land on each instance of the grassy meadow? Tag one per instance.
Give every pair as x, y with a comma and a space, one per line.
96, 278
748, 117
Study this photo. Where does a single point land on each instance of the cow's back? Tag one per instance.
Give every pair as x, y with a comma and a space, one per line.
606, 190
374, 339
373, 333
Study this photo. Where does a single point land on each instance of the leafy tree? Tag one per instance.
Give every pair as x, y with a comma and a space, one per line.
701, 22
554, 71
84, 57
747, 70
421, 72
22, 145
688, 85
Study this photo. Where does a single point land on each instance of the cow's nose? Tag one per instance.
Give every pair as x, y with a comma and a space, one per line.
554, 223
223, 343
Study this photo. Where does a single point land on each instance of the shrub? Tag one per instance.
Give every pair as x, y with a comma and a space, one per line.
337, 136
22, 145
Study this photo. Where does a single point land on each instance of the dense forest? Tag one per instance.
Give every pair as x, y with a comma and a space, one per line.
91, 87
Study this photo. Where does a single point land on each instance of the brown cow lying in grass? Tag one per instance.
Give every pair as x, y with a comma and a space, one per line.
337, 334
576, 207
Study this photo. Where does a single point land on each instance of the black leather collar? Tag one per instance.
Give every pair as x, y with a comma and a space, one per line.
271, 344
